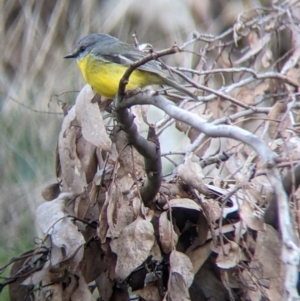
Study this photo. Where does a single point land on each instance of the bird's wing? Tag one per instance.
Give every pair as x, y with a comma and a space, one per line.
126, 56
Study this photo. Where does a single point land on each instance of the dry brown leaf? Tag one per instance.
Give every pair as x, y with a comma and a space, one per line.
73, 178
103, 224
294, 74
167, 236
74, 288
207, 285
38, 276
79, 183
83, 207
88, 164
199, 255
266, 266
231, 257
112, 196
182, 265
91, 121
155, 252
56, 255
290, 149
62, 273
191, 173
119, 212
178, 290
137, 207
53, 220
92, 263
110, 260
182, 203
181, 276
251, 217
133, 246
230, 278
17, 292
124, 215
66, 267
129, 162
212, 207
69, 284
59, 272
56, 292
105, 286
261, 88
120, 293
253, 293
150, 292
246, 95
67, 150
202, 228
82, 291
51, 192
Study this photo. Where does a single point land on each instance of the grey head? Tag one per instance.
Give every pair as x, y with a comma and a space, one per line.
86, 44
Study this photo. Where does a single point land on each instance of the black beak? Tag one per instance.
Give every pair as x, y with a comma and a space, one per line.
70, 55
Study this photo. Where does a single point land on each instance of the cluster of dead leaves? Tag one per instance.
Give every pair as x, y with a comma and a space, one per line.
201, 241
96, 229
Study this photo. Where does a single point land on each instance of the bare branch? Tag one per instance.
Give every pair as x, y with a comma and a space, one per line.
152, 56
150, 150
290, 250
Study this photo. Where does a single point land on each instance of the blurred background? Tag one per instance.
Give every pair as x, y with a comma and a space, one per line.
35, 79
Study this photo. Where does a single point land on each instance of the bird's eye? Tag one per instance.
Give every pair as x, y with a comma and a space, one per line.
82, 48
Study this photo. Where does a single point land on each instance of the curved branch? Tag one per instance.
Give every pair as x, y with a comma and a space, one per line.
290, 250
149, 97
150, 150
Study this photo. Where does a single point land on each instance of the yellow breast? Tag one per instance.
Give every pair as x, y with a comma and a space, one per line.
105, 76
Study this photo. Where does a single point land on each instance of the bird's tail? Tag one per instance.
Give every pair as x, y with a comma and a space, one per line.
173, 84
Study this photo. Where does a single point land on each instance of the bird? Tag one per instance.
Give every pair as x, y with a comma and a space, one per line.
103, 60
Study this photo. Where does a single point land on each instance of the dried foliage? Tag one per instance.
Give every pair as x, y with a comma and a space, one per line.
224, 224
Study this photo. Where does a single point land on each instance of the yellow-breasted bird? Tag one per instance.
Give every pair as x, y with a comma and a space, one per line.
103, 60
